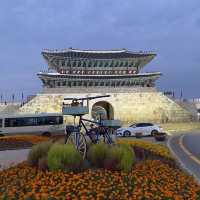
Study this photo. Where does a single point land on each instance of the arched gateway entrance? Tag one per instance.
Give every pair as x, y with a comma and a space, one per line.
104, 109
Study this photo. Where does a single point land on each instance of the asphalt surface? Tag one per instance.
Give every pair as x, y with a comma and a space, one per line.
192, 143
12, 157
186, 148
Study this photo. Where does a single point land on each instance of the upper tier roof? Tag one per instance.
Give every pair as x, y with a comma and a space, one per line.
98, 54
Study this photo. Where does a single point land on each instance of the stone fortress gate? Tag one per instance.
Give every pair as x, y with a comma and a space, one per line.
80, 73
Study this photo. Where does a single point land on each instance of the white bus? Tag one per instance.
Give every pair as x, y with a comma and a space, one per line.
46, 124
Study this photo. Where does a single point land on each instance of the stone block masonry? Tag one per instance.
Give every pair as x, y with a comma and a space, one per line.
129, 107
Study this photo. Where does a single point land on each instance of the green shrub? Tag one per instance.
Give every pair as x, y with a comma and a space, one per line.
115, 155
127, 147
37, 152
97, 153
64, 157
128, 158
122, 157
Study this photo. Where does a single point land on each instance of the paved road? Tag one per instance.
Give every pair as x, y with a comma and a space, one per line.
192, 143
12, 157
186, 148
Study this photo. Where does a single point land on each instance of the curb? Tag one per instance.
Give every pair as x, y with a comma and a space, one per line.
180, 162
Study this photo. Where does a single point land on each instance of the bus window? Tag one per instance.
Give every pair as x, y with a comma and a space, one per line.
32, 121
10, 122
50, 120
1, 123
28, 121
18, 122
60, 120
40, 121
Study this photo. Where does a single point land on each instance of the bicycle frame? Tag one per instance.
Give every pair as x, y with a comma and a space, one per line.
97, 133
73, 133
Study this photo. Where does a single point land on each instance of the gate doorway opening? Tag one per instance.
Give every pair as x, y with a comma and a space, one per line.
103, 109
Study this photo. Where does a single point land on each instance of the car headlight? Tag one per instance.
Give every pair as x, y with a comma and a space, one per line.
119, 132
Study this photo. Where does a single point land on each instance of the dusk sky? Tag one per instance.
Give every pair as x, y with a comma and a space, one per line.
171, 28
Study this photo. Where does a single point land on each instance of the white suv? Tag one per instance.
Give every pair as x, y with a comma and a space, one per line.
144, 128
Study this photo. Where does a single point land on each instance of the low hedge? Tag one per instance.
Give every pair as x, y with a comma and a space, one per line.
64, 157
111, 157
147, 150
157, 149
122, 156
97, 153
39, 151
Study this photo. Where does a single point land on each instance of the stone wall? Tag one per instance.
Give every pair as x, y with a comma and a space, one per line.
197, 105
129, 107
9, 108
88, 90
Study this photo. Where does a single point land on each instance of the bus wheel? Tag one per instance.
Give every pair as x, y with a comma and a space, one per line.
46, 134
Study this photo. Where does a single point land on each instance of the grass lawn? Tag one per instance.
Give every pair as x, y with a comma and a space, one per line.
182, 126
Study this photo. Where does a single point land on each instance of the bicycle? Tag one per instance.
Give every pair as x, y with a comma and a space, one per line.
74, 134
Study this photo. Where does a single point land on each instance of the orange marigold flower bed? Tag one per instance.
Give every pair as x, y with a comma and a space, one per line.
151, 179
34, 139
155, 148
20, 141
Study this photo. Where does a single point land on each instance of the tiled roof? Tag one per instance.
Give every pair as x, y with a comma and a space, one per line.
98, 54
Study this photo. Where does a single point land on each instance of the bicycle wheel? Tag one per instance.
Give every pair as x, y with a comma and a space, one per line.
107, 139
78, 140
103, 132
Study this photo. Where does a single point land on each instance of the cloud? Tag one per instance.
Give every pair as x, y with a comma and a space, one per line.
169, 27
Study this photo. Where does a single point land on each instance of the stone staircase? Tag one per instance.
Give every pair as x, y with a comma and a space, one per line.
175, 109
149, 106
2, 107
9, 108
189, 106
43, 103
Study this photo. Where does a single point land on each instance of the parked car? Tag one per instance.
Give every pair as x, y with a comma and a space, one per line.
142, 128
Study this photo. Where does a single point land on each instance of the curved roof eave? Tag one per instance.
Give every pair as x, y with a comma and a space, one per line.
52, 74
116, 51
